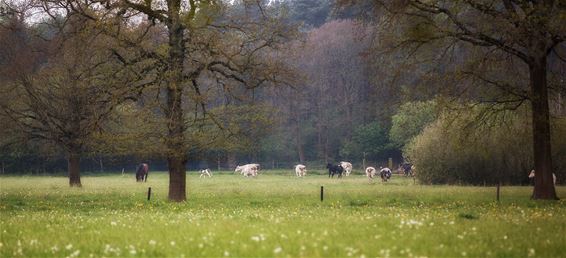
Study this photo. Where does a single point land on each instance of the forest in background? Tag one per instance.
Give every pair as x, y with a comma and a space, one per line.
336, 87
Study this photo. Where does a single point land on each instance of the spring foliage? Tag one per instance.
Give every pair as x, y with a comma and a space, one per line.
454, 150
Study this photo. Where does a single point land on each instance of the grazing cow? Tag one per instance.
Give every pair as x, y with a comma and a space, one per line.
385, 173
347, 167
242, 167
334, 169
532, 176
206, 172
407, 169
142, 172
248, 169
301, 170
256, 167
370, 173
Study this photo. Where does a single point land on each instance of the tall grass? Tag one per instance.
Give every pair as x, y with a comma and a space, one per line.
274, 214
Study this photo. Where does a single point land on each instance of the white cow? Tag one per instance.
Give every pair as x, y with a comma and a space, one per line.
248, 169
206, 172
347, 167
532, 175
370, 173
301, 170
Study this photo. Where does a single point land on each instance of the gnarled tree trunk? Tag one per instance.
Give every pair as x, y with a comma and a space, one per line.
177, 179
176, 151
544, 186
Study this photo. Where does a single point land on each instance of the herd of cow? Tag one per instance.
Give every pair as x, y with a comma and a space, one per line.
253, 170
346, 167
343, 167
338, 169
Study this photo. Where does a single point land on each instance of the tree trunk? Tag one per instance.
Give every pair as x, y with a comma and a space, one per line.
298, 137
544, 186
73, 167
176, 155
177, 179
299, 143
559, 111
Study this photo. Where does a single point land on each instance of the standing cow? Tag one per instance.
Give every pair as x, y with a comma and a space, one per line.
300, 170
407, 169
370, 173
334, 169
205, 172
347, 167
142, 172
248, 170
385, 173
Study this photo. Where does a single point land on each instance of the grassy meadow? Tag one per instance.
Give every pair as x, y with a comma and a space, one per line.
276, 215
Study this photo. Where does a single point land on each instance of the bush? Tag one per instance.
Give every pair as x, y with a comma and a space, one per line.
410, 121
456, 150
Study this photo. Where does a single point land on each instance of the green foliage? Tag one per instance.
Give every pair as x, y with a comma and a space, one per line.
459, 149
131, 130
271, 216
410, 120
370, 139
206, 12
233, 128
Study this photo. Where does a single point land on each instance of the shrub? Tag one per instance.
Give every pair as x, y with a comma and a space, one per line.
456, 149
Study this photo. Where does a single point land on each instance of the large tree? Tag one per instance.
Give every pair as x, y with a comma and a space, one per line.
527, 31
60, 83
191, 44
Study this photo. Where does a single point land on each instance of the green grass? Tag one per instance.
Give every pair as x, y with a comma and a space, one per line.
275, 214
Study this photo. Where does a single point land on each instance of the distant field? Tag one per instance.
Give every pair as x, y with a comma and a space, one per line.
275, 214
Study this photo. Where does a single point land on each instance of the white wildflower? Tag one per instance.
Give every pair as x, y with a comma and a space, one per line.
74, 254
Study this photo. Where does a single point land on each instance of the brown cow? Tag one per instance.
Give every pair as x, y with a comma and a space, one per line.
142, 172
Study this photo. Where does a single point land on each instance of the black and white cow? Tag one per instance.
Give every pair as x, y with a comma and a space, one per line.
385, 173
334, 169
